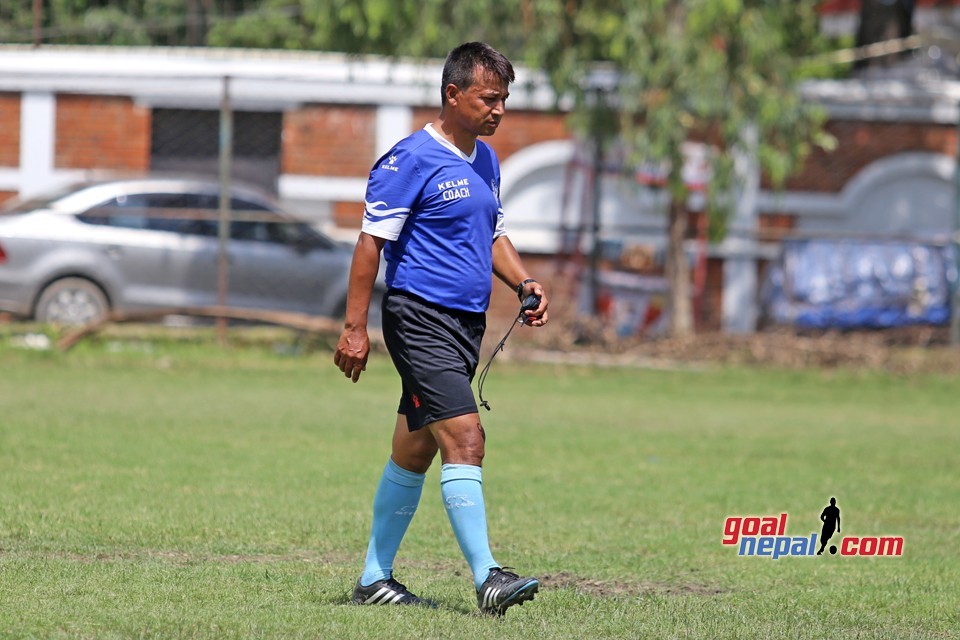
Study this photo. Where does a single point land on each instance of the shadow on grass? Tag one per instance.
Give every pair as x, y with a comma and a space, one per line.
345, 600
615, 588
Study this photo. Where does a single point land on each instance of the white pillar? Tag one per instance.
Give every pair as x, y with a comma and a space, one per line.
394, 122
739, 307
38, 135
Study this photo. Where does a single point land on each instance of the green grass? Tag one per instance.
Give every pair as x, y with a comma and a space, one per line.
175, 490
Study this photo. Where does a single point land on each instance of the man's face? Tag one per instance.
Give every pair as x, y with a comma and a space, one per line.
480, 106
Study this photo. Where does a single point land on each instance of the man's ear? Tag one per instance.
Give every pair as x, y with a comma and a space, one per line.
452, 94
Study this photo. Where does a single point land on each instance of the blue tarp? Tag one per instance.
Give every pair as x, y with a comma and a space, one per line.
850, 284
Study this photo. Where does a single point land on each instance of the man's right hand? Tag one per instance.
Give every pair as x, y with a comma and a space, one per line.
354, 345
352, 351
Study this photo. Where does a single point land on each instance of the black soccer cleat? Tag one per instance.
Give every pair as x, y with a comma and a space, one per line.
387, 591
503, 589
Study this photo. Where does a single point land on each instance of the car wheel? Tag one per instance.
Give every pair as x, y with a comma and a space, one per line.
72, 301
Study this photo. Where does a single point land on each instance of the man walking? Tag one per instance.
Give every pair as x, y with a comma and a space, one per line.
433, 209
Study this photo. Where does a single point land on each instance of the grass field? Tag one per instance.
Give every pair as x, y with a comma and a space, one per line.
176, 490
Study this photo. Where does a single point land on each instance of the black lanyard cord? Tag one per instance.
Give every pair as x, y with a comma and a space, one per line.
531, 302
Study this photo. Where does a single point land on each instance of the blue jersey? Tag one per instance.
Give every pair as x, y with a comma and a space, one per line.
439, 211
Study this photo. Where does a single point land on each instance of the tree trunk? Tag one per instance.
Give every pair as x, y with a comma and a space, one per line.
678, 272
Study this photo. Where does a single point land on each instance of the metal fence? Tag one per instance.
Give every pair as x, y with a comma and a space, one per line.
230, 251
201, 234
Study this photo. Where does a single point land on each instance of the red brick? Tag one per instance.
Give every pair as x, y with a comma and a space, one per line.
521, 129
101, 132
329, 140
518, 129
9, 130
861, 143
348, 214
423, 115
774, 226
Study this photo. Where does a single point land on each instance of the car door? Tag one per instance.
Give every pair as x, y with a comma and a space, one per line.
190, 221
163, 245
283, 265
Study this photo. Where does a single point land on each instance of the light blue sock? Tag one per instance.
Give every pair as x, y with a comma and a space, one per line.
462, 488
393, 507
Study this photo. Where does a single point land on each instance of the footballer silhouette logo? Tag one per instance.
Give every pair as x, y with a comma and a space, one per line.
830, 517
766, 536
854, 545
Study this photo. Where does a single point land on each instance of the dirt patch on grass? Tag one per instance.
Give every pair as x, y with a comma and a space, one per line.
614, 588
562, 580
191, 557
902, 351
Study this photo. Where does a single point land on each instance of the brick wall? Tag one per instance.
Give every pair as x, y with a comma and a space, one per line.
9, 129
504, 304
774, 226
353, 128
325, 140
347, 214
861, 143
423, 115
518, 129
100, 132
521, 129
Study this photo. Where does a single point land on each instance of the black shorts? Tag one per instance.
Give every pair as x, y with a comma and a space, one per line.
435, 351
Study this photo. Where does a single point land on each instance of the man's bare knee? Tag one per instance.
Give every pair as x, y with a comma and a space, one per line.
461, 440
413, 450
471, 454
416, 461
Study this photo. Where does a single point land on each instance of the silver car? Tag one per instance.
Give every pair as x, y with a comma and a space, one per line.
133, 245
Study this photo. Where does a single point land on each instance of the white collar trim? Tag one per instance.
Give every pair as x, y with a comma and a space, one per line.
449, 145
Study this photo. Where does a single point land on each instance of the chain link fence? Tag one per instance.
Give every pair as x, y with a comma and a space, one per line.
198, 234
199, 231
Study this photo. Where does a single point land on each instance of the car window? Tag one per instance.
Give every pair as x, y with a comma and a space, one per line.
299, 235
197, 214
250, 221
263, 224
126, 211
184, 213
279, 231
255, 222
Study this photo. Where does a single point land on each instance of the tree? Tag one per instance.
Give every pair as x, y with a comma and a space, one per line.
708, 70
118, 22
723, 72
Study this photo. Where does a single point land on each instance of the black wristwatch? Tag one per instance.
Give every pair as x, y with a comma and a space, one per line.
522, 285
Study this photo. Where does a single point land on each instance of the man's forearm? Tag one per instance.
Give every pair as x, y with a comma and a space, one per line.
363, 275
507, 264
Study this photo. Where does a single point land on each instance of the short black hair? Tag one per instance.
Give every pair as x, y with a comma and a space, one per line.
461, 63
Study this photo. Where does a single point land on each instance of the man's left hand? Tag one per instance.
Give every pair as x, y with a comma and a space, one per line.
536, 317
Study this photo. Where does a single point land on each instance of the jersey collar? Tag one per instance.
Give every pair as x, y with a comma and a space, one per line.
449, 145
